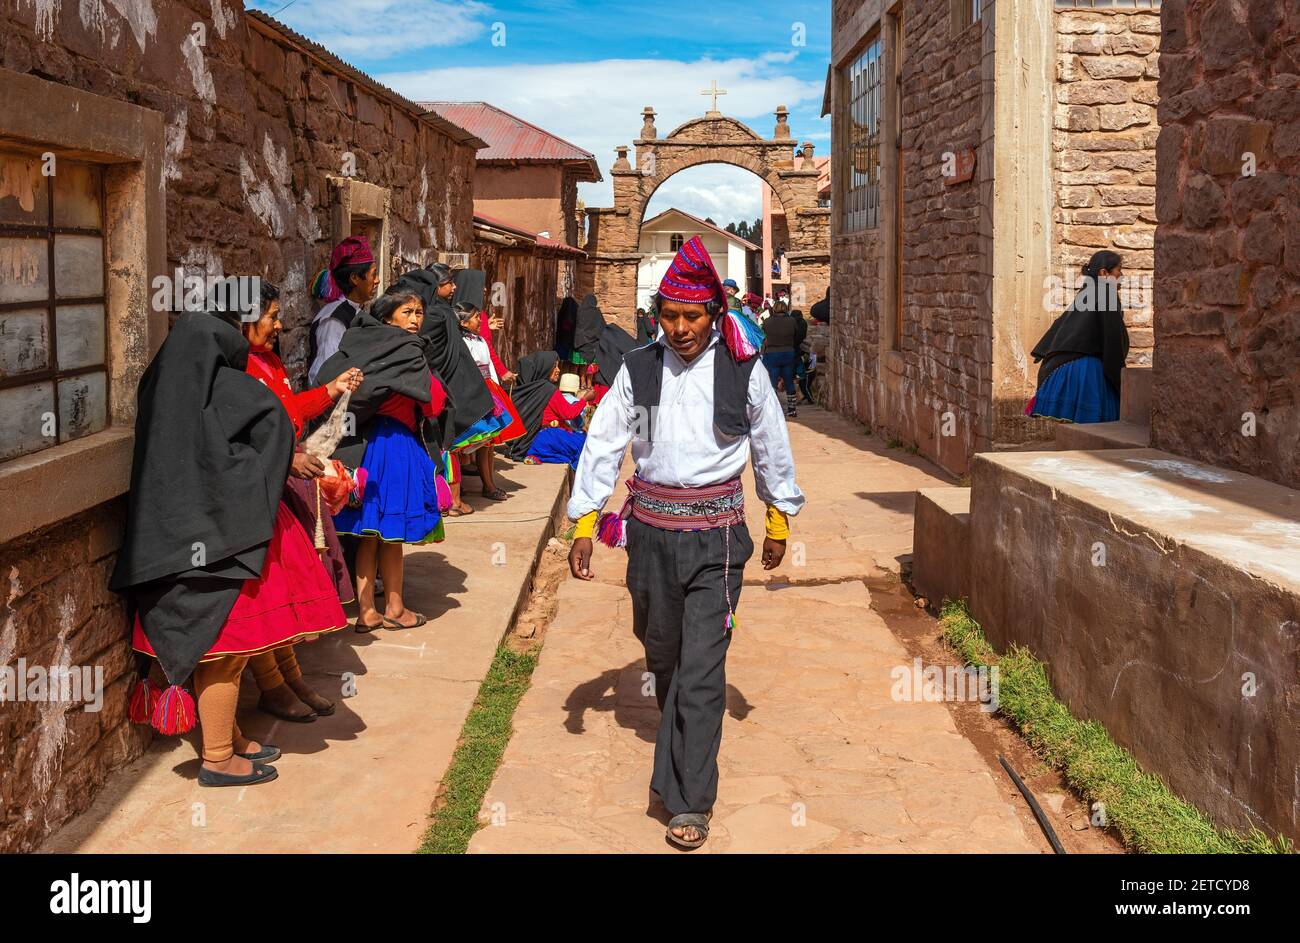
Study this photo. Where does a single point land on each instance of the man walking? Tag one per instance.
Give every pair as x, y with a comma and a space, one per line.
694, 409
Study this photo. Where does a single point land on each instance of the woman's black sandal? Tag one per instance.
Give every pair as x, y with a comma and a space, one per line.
261, 774
268, 754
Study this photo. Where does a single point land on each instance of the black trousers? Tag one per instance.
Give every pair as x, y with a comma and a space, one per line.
679, 610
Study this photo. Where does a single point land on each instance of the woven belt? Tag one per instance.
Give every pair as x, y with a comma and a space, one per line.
706, 508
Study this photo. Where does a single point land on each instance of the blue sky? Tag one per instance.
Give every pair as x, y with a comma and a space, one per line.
584, 71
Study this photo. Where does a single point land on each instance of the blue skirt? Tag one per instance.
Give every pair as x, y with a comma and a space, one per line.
1077, 392
555, 446
400, 501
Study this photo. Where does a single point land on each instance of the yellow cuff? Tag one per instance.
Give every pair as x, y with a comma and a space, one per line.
778, 525
586, 526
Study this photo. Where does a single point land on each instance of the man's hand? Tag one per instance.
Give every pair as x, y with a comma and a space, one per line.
580, 559
306, 466
773, 553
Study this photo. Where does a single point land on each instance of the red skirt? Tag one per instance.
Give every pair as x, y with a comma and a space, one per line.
293, 598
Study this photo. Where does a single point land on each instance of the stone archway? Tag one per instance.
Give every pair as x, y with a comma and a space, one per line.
613, 233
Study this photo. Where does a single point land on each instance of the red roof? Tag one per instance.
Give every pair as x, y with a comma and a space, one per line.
511, 138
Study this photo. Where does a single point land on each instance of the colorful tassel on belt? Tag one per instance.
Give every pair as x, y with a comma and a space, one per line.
174, 713
612, 529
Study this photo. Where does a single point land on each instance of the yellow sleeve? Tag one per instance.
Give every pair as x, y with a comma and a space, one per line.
778, 525
586, 526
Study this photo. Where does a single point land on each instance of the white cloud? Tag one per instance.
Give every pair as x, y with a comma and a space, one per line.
382, 29
719, 192
597, 105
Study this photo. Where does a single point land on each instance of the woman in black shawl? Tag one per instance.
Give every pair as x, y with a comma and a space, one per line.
216, 564
399, 501
538, 375
566, 323
587, 334
1084, 351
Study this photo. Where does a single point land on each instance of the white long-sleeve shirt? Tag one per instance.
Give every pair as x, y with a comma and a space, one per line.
686, 450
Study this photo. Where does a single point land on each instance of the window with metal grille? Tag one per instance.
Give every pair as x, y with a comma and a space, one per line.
862, 80
1108, 4
53, 381
965, 13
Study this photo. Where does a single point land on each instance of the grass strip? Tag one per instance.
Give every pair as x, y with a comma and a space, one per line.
1148, 816
483, 740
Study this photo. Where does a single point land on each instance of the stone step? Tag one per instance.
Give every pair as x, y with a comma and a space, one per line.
1135, 395
1074, 436
941, 544
1164, 596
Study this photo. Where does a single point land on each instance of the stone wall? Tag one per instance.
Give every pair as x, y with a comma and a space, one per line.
1227, 249
58, 611
529, 327
929, 387
253, 128
1105, 160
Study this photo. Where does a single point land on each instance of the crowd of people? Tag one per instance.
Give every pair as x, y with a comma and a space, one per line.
257, 510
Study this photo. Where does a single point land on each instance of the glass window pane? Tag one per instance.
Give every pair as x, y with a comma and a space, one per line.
78, 266
26, 413
24, 270
80, 336
24, 193
24, 342
77, 194
83, 405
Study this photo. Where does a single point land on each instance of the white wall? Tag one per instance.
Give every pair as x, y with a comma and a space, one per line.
656, 255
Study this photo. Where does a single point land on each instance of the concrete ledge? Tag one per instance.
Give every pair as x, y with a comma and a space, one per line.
55, 483
941, 544
1102, 435
1164, 596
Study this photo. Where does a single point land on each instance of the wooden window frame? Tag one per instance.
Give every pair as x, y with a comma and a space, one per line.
58, 482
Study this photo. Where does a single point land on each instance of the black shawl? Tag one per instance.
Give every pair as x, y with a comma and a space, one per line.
614, 343
471, 286
591, 325
393, 361
212, 452
532, 392
1093, 326
566, 323
449, 357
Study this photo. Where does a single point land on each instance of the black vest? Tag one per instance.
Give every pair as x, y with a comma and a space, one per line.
645, 368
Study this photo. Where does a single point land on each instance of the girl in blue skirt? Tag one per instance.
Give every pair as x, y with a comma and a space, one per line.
1084, 351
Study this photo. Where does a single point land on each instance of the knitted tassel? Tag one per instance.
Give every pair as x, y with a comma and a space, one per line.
174, 713
730, 622
143, 700
612, 531
323, 287
742, 336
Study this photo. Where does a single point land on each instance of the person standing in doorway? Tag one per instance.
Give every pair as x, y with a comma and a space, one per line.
694, 410
346, 287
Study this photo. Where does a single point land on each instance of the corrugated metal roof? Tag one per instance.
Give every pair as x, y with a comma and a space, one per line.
510, 137
329, 60
492, 222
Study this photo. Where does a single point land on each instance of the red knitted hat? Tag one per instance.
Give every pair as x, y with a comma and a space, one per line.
691, 278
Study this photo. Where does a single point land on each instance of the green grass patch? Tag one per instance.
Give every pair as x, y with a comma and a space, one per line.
483, 740
1149, 817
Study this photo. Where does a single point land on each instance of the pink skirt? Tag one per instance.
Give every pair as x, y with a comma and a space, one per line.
294, 598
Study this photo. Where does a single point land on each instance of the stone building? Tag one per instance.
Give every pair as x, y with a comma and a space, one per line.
613, 232
981, 152
139, 140
1161, 585
528, 274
